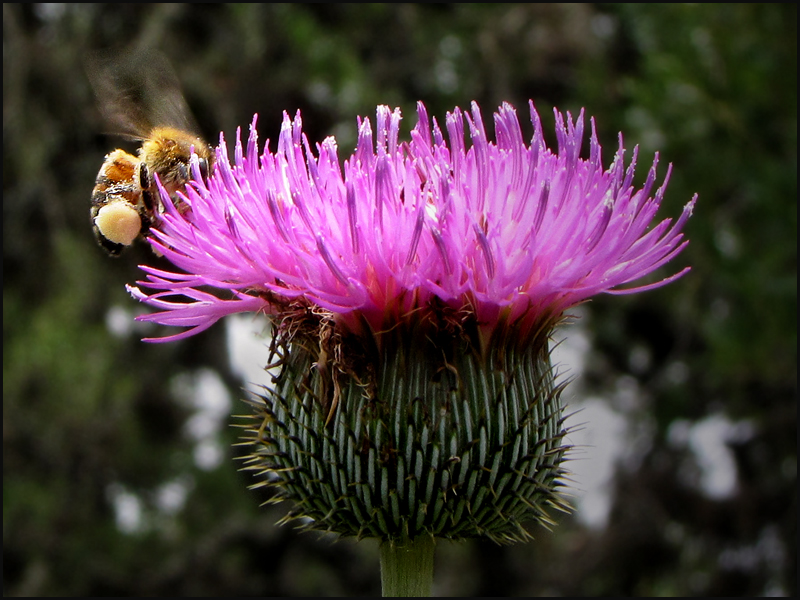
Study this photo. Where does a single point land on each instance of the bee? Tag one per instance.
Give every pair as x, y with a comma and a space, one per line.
140, 97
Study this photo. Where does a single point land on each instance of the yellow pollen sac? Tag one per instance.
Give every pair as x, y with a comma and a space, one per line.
119, 222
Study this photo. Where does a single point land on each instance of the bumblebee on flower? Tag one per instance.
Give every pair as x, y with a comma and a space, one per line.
412, 293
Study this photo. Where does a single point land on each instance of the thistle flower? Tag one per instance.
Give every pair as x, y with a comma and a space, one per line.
412, 295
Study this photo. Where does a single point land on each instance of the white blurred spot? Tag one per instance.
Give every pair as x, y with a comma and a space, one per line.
320, 92
718, 469
128, 512
351, 95
248, 350
683, 93
204, 392
603, 26
677, 372
627, 394
599, 436
727, 242
119, 321
707, 439
446, 76
450, 46
208, 455
639, 359
599, 444
570, 344
678, 433
769, 550
170, 497
641, 120
50, 11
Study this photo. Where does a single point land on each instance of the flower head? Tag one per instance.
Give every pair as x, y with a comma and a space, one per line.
504, 230
412, 296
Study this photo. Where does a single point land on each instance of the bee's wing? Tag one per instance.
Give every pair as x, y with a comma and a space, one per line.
138, 90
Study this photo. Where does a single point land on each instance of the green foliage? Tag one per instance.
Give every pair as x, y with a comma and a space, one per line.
89, 415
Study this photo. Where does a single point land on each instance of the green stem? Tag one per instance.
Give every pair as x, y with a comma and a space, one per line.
407, 567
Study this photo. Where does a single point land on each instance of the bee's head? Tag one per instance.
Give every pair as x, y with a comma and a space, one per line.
168, 153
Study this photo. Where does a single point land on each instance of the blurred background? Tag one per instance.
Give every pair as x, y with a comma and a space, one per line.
119, 470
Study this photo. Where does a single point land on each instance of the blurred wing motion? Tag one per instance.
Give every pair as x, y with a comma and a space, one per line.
140, 98
138, 91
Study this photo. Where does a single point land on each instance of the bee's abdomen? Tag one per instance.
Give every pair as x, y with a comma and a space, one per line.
118, 177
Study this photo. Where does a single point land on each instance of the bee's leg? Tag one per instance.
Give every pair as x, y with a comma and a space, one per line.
144, 176
149, 208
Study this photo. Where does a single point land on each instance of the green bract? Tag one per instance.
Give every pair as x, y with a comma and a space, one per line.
416, 430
